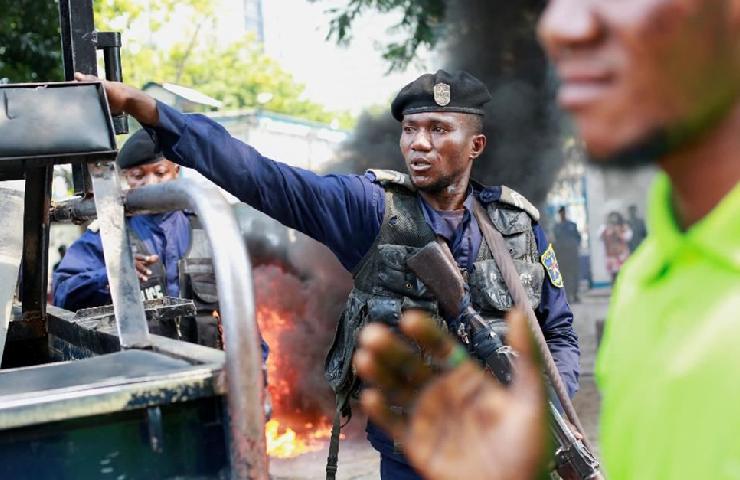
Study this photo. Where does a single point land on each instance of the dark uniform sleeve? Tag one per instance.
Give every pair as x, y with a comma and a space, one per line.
80, 280
344, 212
556, 321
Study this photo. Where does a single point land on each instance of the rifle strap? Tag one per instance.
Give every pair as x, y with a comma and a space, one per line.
333, 458
505, 263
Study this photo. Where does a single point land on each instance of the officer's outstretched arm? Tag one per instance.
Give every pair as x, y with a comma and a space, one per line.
461, 422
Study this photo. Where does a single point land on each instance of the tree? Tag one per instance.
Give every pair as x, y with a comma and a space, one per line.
494, 40
30, 49
235, 73
421, 23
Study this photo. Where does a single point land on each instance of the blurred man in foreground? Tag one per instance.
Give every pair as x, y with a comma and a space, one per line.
646, 81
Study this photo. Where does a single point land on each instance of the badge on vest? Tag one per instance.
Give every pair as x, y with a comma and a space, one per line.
551, 265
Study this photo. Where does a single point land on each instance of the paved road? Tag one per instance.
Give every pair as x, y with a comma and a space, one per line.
358, 461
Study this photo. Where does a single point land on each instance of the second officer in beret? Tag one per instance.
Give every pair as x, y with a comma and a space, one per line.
171, 253
159, 241
373, 222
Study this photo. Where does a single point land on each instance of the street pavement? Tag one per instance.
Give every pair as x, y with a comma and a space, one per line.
358, 460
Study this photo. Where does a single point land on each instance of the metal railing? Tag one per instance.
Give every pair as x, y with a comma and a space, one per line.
244, 374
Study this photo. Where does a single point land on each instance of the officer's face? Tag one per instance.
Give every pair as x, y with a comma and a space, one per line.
635, 69
151, 173
439, 148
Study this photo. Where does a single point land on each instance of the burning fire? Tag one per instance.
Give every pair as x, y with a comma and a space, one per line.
293, 430
284, 442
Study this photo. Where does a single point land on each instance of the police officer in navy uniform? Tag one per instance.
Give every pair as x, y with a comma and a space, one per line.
171, 253
373, 222
567, 239
158, 241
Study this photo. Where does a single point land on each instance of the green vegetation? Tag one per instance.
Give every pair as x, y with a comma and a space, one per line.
421, 25
29, 41
235, 73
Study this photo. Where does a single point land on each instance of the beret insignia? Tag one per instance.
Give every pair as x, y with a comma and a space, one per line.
550, 262
442, 94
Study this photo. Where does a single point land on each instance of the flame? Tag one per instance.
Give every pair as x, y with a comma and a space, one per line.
284, 442
291, 431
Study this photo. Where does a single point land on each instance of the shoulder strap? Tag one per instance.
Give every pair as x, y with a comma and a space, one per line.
516, 199
385, 177
332, 460
511, 278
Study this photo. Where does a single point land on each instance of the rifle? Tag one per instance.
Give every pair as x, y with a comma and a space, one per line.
435, 266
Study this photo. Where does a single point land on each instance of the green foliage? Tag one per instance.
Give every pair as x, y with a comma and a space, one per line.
30, 48
420, 25
235, 73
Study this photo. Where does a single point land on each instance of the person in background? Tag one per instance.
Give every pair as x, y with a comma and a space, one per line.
637, 225
171, 253
567, 241
159, 240
615, 235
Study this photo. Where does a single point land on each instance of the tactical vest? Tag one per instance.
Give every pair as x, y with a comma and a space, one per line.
198, 283
384, 286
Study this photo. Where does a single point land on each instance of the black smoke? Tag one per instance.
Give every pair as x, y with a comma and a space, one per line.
494, 40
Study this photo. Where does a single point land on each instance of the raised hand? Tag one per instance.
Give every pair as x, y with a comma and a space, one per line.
142, 263
123, 98
461, 423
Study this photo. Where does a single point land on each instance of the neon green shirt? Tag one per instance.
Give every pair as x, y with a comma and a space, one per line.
669, 368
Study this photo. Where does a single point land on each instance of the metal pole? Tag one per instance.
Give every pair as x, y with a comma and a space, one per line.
236, 303
79, 54
133, 330
35, 243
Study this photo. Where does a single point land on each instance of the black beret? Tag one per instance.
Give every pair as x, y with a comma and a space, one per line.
441, 92
139, 149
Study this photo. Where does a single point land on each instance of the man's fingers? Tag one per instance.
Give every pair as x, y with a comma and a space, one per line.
388, 360
81, 77
527, 379
518, 336
419, 326
375, 404
146, 258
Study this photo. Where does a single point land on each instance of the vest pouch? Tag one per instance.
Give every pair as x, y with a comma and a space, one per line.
488, 290
395, 278
338, 366
201, 280
384, 310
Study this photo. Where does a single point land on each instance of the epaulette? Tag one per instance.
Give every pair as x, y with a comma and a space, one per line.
94, 227
385, 177
510, 196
